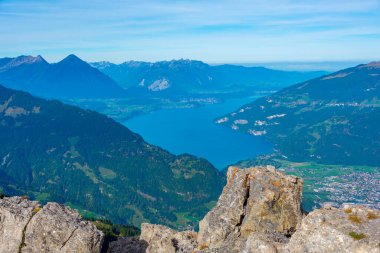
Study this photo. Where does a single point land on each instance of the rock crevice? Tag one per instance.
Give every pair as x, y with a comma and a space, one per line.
22, 244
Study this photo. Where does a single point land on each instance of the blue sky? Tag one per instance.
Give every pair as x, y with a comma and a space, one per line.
217, 31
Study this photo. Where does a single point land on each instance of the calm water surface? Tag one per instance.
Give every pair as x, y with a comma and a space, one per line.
192, 130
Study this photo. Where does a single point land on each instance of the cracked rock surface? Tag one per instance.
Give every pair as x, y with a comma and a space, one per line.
259, 211
254, 201
15, 214
26, 227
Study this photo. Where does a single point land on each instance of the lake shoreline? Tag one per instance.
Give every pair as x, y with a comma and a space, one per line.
193, 130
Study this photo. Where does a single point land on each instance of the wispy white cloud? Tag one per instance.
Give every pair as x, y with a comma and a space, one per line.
211, 30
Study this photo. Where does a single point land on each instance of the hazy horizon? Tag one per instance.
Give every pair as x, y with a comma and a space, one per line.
278, 65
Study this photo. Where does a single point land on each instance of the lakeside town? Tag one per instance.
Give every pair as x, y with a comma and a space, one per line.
339, 185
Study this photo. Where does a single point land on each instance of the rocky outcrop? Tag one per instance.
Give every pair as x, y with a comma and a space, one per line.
260, 211
162, 239
347, 229
254, 201
27, 227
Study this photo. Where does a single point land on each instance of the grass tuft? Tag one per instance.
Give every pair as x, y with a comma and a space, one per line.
357, 236
354, 218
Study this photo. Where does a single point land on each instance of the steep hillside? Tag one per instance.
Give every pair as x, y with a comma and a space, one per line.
69, 78
55, 152
191, 77
331, 119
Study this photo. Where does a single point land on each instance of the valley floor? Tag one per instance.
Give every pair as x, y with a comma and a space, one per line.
336, 184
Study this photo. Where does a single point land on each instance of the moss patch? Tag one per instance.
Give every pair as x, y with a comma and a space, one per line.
357, 236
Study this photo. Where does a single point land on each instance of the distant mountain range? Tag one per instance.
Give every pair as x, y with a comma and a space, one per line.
331, 119
56, 152
117, 90
181, 77
75, 78
69, 78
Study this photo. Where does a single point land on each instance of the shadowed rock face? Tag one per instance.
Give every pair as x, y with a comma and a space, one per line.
260, 211
26, 227
127, 244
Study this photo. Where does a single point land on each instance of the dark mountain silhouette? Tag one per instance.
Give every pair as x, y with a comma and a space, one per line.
69, 78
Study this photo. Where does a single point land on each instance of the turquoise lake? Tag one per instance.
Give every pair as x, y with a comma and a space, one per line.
193, 131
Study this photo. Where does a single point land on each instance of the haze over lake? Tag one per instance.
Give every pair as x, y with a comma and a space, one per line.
192, 130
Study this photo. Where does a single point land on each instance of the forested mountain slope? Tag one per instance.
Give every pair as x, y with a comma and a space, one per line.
55, 152
331, 119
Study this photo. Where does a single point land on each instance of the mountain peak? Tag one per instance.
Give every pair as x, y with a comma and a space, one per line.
73, 60
374, 64
22, 59
71, 57
28, 59
39, 58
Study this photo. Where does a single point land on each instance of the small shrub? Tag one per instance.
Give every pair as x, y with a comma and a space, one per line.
203, 246
348, 211
354, 218
372, 216
36, 210
356, 236
112, 231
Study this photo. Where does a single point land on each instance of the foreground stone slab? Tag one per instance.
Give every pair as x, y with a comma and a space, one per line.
348, 229
15, 214
26, 227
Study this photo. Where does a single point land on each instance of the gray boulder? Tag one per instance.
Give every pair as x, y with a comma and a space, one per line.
351, 229
26, 227
15, 214
162, 239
